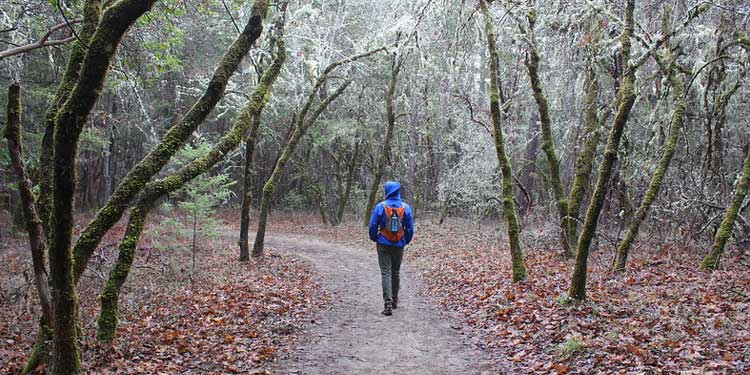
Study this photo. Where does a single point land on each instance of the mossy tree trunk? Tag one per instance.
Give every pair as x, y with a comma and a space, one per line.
390, 121
509, 205
247, 189
668, 150
717, 95
40, 352
592, 124
70, 121
269, 187
585, 162
302, 123
711, 261
548, 145
343, 199
528, 175
92, 12
625, 99
172, 141
37, 240
37, 243
248, 119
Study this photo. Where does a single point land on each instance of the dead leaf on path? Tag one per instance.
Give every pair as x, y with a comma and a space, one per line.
632, 349
560, 368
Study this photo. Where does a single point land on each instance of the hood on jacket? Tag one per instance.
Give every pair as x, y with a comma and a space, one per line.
392, 190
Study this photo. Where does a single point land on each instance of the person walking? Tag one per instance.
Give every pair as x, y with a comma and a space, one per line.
391, 228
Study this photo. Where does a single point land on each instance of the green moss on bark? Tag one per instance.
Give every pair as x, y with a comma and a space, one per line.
585, 161
269, 187
654, 186
68, 126
548, 145
172, 141
108, 315
40, 352
509, 206
247, 184
626, 99
92, 14
711, 261
37, 243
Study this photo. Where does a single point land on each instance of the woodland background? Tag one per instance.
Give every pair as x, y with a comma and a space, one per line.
413, 107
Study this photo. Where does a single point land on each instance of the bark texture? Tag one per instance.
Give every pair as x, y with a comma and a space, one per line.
70, 121
625, 99
37, 243
172, 141
548, 145
509, 205
108, 315
585, 161
668, 150
247, 189
92, 13
711, 261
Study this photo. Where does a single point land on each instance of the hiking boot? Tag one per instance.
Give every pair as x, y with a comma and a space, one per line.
387, 310
394, 304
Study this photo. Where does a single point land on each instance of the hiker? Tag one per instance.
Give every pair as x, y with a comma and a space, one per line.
391, 228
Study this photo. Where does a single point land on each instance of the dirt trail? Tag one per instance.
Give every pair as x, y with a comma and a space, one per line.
352, 337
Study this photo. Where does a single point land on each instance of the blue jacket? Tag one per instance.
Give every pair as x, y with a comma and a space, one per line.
378, 219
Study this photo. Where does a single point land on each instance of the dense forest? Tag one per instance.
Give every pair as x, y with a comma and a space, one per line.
186, 185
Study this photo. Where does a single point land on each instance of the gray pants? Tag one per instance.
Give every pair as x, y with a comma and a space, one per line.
389, 259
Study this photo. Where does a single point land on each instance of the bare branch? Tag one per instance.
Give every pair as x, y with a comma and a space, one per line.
42, 42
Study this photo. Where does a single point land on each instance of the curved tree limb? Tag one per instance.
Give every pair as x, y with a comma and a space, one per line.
37, 242
172, 141
69, 124
108, 316
42, 42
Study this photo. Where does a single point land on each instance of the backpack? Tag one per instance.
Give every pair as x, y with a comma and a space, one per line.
393, 230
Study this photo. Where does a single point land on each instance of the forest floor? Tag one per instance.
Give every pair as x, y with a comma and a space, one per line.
352, 337
227, 317
312, 306
662, 316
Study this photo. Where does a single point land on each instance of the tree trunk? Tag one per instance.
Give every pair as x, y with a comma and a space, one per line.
70, 122
172, 141
37, 243
247, 188
585, 161
300, 129
194, 246
33, 223
301, 125
548, 145
108, 315
390, 118
509, 205
626, 99
668, 150
37, 240
109, 296
40, 352
711, 261
352, 167
532, 149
